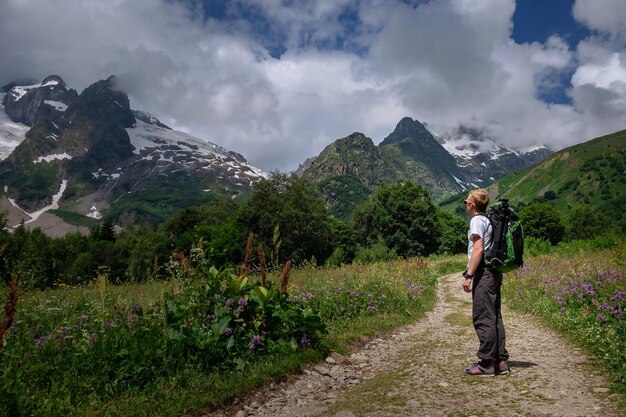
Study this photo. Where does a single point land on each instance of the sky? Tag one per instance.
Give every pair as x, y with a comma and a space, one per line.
279, 80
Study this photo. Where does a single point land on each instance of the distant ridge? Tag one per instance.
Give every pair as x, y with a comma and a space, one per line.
349, 169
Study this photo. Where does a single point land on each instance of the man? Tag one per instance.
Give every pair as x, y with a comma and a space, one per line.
484, 284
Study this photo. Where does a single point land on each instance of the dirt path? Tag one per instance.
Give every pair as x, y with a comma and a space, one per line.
418, 371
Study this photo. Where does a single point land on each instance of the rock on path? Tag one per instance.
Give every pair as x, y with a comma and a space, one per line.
418, 371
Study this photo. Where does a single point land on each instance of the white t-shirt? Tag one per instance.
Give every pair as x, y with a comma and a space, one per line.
480, 226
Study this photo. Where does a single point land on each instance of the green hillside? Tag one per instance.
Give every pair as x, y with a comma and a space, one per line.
591, 173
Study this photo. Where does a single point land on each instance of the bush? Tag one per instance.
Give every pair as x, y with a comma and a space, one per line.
543, 222
535, 247
377, 252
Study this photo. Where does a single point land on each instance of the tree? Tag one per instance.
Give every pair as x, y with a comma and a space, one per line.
298, 209
106, 230
584, 223
542, 221
403, 216
453, 233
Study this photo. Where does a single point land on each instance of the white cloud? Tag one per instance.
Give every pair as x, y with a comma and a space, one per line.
607, 16
444, 62
599, 82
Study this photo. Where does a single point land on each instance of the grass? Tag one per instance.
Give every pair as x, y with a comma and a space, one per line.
377, 297
581, 294
192, 390
371, 395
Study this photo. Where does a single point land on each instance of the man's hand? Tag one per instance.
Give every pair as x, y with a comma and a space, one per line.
467, 285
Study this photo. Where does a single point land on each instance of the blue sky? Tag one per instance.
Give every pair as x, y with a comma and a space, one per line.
278, 80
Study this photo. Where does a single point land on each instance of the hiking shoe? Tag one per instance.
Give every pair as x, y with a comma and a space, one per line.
480, 369
503, 368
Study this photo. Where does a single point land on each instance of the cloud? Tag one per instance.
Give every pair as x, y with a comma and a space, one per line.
606, 16
599, 82
278, 81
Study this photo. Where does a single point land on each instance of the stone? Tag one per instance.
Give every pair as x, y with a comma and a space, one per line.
340, 359
322, 370
344, 413
602, 390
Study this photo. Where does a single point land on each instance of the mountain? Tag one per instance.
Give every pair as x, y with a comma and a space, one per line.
349, 169
88, 154
592, 173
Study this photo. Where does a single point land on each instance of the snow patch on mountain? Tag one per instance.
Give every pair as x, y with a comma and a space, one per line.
465, 146
18, 92
156, 143
56, 104
35, 215
94, 213
49, 158
11, 133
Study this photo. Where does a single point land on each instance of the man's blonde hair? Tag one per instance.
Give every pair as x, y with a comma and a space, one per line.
480, 198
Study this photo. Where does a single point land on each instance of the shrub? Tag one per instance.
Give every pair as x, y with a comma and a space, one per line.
375, 253
535, 247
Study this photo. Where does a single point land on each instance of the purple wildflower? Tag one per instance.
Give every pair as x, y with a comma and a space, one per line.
256, 340
135, 308
589, 289
304, 341
228, 331
229, 303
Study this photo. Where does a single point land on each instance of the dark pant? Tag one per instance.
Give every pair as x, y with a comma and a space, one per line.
486, 315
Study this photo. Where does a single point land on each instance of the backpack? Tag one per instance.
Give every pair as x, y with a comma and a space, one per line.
507, 241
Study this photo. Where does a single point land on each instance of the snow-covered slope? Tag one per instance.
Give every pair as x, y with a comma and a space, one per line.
161, 145
466, 144
11, 133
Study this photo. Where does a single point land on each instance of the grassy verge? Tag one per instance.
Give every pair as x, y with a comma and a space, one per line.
581, 294
57, 330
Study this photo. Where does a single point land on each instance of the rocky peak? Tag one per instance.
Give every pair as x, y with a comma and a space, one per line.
104, 101
53, 80
357, 140
356, 156
28, 104
408, 128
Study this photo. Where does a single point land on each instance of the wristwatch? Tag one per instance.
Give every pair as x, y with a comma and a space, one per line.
467, 276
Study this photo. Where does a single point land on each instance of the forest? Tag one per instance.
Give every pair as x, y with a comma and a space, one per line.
288, 220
